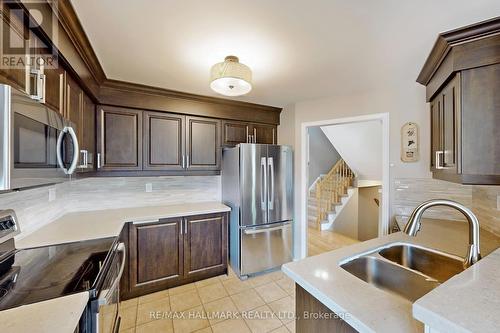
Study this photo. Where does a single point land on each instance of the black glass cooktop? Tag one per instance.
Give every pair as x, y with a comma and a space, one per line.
38, 274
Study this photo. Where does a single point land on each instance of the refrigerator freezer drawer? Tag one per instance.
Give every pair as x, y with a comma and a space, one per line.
265, 247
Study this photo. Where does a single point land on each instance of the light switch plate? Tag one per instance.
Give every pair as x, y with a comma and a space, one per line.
52, 194
149, 187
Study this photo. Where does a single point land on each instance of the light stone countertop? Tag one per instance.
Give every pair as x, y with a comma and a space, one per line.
87, 225
369, 309
468, 302
60, 315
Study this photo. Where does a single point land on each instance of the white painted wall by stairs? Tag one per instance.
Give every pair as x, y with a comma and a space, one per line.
360, 145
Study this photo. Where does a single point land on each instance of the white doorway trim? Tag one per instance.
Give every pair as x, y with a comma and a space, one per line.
383, 228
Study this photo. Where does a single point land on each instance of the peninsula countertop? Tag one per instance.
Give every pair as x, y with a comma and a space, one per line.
58, 315
369, 309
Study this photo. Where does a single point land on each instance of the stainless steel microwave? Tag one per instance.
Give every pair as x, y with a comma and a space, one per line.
37, 145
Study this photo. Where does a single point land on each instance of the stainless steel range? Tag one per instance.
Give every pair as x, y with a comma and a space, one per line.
257, 183
47, 272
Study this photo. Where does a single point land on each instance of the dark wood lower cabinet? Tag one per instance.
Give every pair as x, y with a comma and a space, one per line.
314, 316
204, 250
155, 253
174, 251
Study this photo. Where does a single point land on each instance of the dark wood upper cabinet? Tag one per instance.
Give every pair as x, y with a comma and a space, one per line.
462, 76
119, 144
480, 122
156, 252
265, 134
73, 110
444, 124
87, 143
54, 89
235, 132
436, 125
164, 141
203, 143
13, 34
205, 244
450, 124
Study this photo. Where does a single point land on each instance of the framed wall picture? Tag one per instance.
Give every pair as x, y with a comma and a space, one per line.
410, 142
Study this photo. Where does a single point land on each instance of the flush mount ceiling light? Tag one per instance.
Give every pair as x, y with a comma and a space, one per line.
231, 78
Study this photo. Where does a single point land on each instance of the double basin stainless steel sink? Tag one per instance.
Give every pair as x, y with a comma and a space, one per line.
407, 270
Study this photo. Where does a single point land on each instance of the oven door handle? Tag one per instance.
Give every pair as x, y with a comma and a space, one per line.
120, 248
76, 152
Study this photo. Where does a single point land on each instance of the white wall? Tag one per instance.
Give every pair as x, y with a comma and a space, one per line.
322, 155
346, 222
404, 102
286, 129
360, 145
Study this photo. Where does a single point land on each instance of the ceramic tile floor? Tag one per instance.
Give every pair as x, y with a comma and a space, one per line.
261, 304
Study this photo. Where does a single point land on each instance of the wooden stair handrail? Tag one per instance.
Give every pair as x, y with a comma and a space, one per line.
330, 189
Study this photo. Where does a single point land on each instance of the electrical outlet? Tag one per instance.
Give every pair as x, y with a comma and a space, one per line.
149, 187
52, 194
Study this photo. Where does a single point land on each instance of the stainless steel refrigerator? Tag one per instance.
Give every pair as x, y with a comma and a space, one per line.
257, 183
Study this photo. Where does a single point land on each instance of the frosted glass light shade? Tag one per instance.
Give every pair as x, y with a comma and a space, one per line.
231, 78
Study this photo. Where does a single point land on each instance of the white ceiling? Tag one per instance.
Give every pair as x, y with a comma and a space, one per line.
297, 49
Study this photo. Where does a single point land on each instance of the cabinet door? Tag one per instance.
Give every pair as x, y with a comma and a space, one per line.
450, 112
203, 143
74, 104
234, 132
14, 44
164, 141
54, 89
156, 252
120, 138
88, 131
436, 132
264, 134
205, 245
480, 150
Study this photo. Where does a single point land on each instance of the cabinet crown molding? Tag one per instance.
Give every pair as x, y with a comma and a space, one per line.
145, 89
446, 41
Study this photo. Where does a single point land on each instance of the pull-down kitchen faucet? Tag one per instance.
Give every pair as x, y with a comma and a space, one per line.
413, 226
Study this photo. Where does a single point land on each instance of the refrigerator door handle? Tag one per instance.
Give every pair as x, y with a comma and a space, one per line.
263, 183
253, 231
270, 196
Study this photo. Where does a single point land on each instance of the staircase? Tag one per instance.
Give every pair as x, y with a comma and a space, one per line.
328, 196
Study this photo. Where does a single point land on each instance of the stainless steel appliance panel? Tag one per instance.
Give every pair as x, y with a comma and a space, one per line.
265, 247
253, 184
231, 197
107, 317
37, 145
5, 135
280, 183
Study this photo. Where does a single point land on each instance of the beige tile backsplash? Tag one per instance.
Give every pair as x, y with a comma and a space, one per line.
34, 209
409, 192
